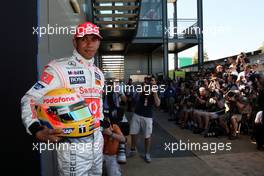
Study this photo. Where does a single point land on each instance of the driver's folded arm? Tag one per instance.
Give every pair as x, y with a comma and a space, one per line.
49, 81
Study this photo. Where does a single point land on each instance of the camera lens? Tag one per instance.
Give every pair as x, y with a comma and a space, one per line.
230, 94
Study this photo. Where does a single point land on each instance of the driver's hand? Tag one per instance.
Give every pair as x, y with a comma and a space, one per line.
47, 134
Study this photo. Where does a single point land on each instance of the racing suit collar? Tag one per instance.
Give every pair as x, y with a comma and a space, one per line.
81, 59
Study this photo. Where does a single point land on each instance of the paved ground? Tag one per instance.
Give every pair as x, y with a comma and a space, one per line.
241, 160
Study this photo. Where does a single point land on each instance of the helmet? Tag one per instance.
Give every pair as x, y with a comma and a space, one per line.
64, 109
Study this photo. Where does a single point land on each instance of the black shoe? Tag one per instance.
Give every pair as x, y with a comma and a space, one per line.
197, 131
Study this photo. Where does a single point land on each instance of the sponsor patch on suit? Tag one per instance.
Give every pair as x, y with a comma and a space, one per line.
75, 72
77, 80
98, 82
46, 77
97, 76
38, 86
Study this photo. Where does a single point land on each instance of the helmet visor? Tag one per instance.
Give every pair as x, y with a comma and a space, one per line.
75, 112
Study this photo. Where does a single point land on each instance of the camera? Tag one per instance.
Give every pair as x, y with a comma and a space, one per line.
201, 83
252, 77
233, 94
225, 75
245, 89
121, 155
105, 124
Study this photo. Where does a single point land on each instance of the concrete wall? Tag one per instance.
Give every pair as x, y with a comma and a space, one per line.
135, 63
139, 62
56, 13
157, 62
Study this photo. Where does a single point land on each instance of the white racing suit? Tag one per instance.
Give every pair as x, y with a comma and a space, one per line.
83, 76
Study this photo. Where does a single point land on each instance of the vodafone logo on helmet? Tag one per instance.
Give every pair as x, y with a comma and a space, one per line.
51, 100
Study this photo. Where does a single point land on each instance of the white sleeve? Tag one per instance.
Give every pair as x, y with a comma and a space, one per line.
49, 80
258, 118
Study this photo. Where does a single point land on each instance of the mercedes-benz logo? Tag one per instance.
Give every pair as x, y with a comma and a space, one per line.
72, 63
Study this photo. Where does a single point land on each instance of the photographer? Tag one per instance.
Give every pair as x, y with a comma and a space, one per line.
259, 130
129, 95
231, 82
218, 75
258, 121
142, 118
214, 83
241, 61
260, 90
219, 70
232, 69
187, 104
243, 77
215, 111
200, 111
235, 106
170, 94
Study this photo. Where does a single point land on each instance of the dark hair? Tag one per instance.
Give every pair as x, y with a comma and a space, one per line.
147, 80
234, 77
243, 54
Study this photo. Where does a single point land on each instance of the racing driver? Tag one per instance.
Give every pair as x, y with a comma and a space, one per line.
79, 73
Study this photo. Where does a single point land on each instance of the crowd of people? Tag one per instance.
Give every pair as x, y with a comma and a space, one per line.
226, 100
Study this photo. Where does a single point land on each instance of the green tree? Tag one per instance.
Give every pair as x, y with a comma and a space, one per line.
195, 57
